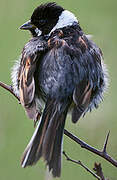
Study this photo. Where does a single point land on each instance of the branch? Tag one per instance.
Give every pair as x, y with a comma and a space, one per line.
10, 89
81, 164
84, 145
98, 169
105, 143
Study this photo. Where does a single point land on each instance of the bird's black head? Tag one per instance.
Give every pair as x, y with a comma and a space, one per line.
44, 18
48, 17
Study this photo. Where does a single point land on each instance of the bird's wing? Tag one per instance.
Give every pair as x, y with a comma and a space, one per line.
90, 79
26, 76
82, 97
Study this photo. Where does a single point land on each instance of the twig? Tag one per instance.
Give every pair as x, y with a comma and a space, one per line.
84, 145
98, 169
9, 88
105, 143
81, 164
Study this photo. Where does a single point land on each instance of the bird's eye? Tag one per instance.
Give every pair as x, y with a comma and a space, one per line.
42, 21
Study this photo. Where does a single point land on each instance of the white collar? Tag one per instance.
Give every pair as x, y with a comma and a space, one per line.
65, 19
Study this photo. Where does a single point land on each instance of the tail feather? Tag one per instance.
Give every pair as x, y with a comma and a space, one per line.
56, 155
53, 142
28, 158
33, 151
47, 139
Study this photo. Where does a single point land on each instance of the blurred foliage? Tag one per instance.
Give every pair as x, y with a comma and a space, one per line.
98, 18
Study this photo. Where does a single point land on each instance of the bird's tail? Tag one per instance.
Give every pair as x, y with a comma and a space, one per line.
46, 141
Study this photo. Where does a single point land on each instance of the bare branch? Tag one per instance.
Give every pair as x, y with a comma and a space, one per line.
106, 142
90, 148
98, 169
9, 88
84, 145
81, 164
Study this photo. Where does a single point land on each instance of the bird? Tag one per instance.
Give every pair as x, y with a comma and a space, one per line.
60, 70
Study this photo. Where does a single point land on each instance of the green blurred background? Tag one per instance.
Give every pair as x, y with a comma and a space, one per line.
97, 17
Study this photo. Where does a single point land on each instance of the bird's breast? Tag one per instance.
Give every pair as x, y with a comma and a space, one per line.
55, 75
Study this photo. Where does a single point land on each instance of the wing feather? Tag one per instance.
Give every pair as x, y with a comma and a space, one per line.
27, 90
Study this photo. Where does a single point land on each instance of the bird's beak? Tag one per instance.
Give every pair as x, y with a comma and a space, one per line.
27, 26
